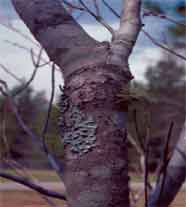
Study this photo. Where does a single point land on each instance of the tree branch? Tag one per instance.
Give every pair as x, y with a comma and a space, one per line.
54, 163
175, 175
33, 186
148, 35
23, 172
98, 17
126, 35
58, 33
162, 46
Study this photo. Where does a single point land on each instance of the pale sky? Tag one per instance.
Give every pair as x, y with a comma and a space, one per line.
19, 61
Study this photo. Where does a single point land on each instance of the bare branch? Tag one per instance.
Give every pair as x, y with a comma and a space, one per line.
23, 172
98, 18
139, 137
148, 35
10, 73
165, 157
44, 131
175, 174
135, 144
146, 174
162, 46
53, 34
148, 12
22, 47
27, 84
98, 12
73, 6
52, 160
26, 37
33, 186
126, 35
110, 8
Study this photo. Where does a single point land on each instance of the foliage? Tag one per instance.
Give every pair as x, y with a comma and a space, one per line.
153, 6
166, 75
156, 103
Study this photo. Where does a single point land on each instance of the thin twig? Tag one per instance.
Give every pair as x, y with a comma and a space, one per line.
4, 135
149, 36
98, 13
135, 144
98, 19
111, 9
33, 186
23, 172
15, 44
15, 30
162, 46
146, 174
166, 158
139, 137
10, 73
37, 65
45, 127
147, 153
148, 12
52, 160
73, 6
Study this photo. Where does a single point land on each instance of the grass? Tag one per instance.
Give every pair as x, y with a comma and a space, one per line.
136, 178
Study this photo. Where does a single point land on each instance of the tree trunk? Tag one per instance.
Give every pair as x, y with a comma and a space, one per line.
93, 119
94, 130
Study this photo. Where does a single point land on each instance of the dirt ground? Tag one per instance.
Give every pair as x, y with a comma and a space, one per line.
24, 199
179, 201
31, 199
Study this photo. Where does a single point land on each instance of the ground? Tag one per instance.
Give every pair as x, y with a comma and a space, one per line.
21, 198
30, 199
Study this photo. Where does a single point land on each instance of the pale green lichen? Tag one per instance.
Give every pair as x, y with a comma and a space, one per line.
80, 134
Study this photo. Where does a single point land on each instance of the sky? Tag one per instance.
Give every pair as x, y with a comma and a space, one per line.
19, 61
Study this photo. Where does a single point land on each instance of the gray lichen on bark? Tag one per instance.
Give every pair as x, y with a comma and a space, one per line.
80, 131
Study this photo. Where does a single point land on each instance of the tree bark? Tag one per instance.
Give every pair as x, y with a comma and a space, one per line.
94, 131
93, 119
164, 194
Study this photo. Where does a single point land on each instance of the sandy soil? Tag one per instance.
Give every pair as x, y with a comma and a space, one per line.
31, 199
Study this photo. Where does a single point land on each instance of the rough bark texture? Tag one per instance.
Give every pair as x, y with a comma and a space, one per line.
94, 130
93, 120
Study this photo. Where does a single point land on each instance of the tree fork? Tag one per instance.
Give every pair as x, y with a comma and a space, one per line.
94, 120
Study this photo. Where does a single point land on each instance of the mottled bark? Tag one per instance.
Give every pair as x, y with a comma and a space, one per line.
94, 130
93, 120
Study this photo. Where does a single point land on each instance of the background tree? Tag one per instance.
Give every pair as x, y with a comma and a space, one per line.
92, 112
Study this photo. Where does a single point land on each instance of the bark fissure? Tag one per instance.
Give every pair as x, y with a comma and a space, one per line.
94, 74
96, 97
